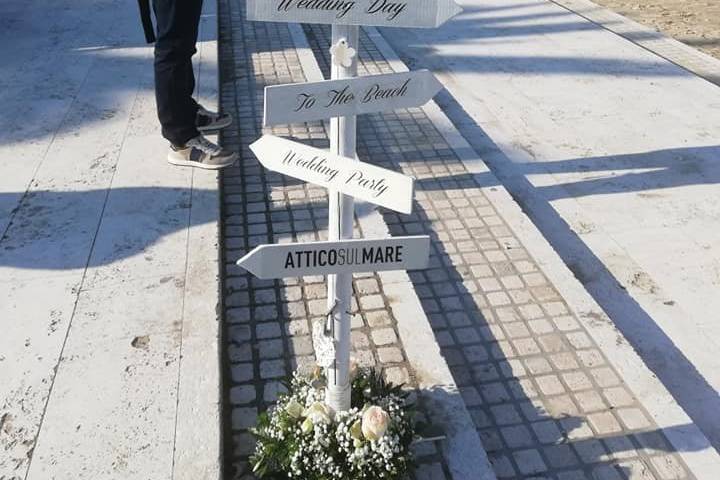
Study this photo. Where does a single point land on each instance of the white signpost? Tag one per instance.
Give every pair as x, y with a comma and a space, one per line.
303, 102
347, 256
341, 99
381, 13
351, 177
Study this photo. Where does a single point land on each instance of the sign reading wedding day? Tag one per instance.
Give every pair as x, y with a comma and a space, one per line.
383, 13
350, 177
302, 102
326, 258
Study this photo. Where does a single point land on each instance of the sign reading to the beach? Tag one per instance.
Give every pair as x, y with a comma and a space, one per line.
302, 102
383, 13
327, 258
350, 177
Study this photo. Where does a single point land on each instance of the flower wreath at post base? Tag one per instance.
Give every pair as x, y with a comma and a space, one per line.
302, 438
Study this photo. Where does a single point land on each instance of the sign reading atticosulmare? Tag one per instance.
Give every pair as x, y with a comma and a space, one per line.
327, 258
302, 102
384, 13
351, 177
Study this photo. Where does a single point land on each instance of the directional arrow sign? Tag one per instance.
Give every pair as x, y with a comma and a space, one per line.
384, 13
327, 258
358, 179
302, 102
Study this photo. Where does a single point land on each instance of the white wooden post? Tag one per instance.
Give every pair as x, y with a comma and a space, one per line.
341, 217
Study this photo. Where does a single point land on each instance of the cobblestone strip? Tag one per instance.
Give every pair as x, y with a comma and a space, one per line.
545, 400
267, 323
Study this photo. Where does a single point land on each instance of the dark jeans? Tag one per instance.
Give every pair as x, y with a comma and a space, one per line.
177, 32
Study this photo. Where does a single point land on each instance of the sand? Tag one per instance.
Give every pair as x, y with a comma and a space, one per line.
693, 22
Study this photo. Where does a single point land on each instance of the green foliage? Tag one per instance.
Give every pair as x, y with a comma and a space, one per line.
290, 445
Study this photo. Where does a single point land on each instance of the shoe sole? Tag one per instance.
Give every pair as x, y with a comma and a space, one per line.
189, 163
217, 127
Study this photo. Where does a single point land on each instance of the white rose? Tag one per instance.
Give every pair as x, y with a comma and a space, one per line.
374, 423
294, 409
318, 412
306, 426
356, 430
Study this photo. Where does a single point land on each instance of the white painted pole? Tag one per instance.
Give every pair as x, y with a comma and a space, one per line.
340, 216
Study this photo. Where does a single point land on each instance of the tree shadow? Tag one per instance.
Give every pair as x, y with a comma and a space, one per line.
636, 172
541, 411
62, 69
556, 446
56, 230
475, 27
673, 167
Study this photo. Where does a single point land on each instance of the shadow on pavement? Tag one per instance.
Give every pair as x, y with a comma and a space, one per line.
681, 378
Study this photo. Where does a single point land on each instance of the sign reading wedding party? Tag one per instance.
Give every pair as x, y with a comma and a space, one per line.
302, 102
350, 177
383, 13
326, 258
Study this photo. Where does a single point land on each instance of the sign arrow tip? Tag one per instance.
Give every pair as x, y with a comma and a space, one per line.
250, 262
449, 11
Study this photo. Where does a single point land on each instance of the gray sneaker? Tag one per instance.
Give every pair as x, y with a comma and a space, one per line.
211, 122
201, 153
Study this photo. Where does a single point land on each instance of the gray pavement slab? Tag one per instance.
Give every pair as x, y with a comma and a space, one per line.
108, 280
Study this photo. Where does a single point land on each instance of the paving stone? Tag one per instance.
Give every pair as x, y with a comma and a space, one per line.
239, 333
271, 390
244, 444
272, 369
244, 417
239, 353
618, 397
547, 431
237, 315
377, 319
502, 466
430, 471
300, 345
606, 472
384, 336
505, 414
242, 372
529, 462
370, 302
577, 380
367, 286
550, 385
242, 394
397, 375
390, 355
270, 348
633, 418
604, 423
560, 456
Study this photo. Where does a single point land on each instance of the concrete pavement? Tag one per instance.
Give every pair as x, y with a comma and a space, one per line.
614, 152
108, 256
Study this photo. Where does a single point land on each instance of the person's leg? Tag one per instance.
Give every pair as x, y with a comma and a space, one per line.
177, 31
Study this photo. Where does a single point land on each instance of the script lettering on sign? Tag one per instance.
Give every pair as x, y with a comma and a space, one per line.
302, 102
326, 258
387, 13
358, 179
